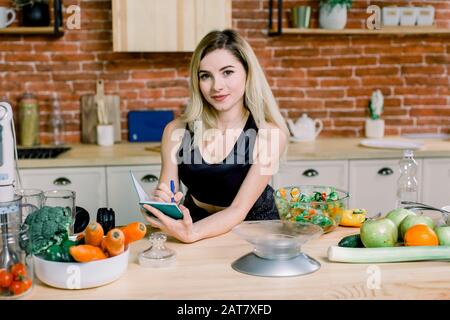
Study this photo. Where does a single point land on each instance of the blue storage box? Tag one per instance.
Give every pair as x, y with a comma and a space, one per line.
147, 125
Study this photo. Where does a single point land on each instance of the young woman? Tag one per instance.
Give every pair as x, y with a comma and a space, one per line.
226, 145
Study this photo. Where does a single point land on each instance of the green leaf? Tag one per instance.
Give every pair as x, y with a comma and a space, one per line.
333, 3
372, 114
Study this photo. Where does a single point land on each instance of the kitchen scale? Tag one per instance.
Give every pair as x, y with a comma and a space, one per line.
277, 248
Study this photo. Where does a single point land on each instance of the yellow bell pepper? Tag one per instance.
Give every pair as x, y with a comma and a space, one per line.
353, 217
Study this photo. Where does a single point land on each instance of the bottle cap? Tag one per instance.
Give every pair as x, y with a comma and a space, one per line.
408, 153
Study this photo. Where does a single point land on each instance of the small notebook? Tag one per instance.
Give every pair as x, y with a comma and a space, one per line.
168, 208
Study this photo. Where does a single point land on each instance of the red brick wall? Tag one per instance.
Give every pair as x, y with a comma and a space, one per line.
329, 77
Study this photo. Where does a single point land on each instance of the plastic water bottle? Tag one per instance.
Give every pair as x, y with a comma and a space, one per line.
407, 182
57, 123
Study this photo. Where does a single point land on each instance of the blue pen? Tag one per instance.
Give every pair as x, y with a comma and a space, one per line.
172, 188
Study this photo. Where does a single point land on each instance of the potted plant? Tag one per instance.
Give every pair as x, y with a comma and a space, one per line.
374, 124
333, 13
35, 13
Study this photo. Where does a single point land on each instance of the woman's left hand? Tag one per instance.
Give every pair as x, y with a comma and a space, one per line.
183, 229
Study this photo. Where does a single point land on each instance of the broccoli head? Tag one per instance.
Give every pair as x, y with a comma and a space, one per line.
47, 226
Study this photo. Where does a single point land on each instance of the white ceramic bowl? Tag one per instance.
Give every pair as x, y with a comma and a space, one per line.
74, 275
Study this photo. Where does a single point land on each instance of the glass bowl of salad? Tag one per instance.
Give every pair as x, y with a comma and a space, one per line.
319, 205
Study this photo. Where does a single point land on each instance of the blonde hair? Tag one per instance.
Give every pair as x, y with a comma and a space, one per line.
259, 99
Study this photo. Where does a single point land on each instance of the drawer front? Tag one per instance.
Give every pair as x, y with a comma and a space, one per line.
373, 184
436, 182
122, 196
89, 184
330, 173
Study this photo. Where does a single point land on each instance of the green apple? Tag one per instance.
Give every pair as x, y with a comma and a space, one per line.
379, 233
411, 220
443, 234
397, 215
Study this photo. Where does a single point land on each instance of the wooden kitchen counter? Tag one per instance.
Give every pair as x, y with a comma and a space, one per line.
203, 271
321, 149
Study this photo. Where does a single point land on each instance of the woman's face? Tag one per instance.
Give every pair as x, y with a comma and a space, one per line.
222, 80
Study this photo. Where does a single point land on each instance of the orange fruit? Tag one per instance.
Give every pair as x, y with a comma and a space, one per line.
421, 235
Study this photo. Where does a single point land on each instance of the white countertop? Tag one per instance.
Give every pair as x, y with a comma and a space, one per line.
82, 155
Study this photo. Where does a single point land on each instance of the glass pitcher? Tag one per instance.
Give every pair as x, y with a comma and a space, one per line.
11, 211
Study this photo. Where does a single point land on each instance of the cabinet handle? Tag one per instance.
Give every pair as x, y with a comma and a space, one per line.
310, 173
149, 178
63, 181
385, 171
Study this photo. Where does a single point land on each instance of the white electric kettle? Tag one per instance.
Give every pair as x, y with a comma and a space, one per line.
305, 128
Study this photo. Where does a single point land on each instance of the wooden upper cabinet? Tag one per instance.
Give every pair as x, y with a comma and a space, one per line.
166, 25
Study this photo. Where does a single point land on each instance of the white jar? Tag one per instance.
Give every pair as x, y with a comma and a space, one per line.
391, 16
408, 16
105, 134
425, 16
374, 128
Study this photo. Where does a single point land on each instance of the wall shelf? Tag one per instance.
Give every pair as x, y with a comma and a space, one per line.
383, 30
400, 30
56, 28
31, 30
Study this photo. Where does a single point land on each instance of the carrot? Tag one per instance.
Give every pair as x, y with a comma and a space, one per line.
134, 231
113, 252
94, 234
115, 242
103, 247
80, 237
103, 244
86, 253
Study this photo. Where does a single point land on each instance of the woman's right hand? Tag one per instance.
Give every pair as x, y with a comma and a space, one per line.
162, 193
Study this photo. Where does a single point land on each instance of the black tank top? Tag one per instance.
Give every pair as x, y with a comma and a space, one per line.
217, 184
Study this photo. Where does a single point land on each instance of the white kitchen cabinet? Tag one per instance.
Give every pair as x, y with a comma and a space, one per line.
89, 184
122, 196
329, 173
169, 25
436, 182
373, 184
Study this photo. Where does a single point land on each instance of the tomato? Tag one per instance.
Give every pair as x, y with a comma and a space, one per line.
27, 283
324, 196
19, 271
5, 278
17, 287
